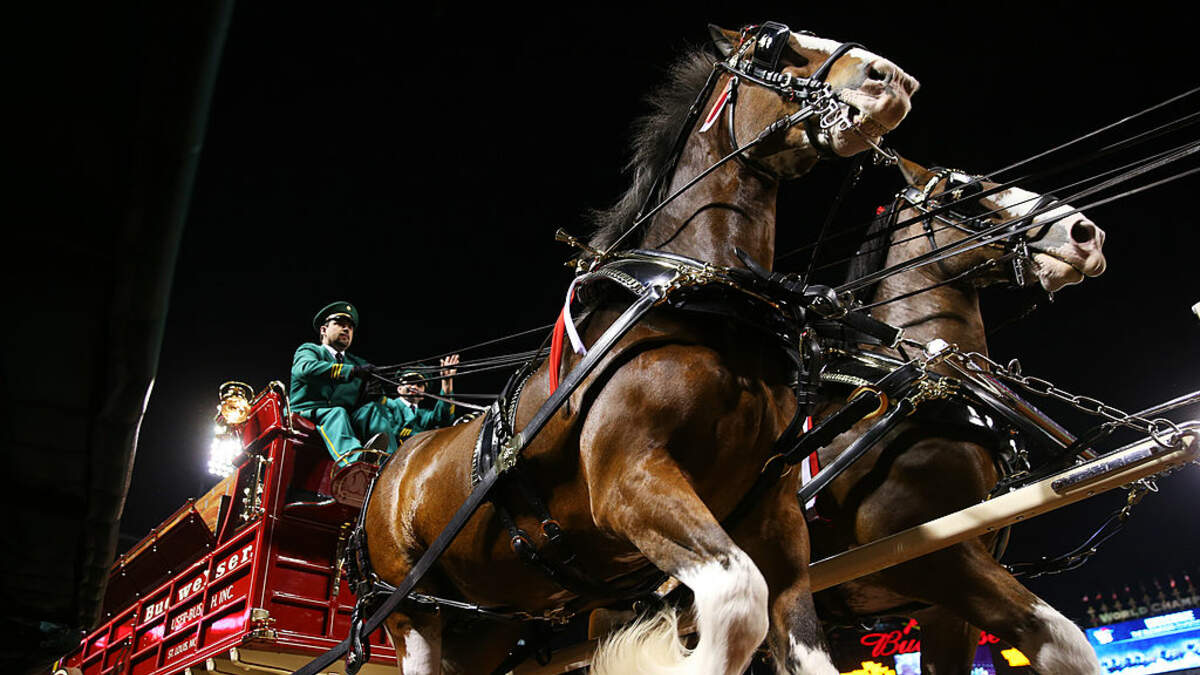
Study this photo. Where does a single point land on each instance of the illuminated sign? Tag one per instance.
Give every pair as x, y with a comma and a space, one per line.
1156, 644
904, 641
898, 652
872, 668
1149, 609
892, 642
1014, 657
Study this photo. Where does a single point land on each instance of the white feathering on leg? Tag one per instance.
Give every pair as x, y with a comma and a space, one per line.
808, 660
1059, 646
422, 652
731, 616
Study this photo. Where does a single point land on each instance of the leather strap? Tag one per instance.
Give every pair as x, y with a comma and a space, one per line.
794, 447
896, 413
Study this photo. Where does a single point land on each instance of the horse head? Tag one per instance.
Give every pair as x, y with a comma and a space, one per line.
1049, 242
873, 93
783, 100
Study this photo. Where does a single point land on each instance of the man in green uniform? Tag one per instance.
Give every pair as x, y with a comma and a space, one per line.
327, 388
327, 384
408, 417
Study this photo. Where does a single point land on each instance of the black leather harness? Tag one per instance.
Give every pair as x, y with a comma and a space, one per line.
1030, 443
693, 287
657, 280
771, 303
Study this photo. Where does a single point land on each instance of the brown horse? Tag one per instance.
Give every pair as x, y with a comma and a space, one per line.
667, 434
924, 469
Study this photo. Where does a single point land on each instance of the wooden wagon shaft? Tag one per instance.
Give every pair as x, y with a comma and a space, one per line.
1121, 467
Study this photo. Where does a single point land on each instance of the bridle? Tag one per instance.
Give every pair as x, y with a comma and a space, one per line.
760, 68
958, 199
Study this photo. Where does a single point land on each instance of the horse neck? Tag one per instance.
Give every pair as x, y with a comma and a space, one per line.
733, 206
949, 312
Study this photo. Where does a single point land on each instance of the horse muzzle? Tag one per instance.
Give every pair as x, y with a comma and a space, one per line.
1070, 250
879, 99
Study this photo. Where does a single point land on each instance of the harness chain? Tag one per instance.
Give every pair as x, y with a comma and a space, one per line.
1092, 406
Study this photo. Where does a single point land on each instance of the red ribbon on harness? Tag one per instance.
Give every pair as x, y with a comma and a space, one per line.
556, 340
556, 348
717, 107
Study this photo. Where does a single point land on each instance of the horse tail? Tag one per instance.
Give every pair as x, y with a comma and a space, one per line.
648, 646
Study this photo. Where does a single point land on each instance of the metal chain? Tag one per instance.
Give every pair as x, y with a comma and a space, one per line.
1162, 430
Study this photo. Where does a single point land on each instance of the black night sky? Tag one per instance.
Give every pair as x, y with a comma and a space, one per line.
418, 161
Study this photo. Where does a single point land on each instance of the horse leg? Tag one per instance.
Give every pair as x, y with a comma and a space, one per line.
479, 648
775, 535
651, 503
969, 582
418, 640
948, 643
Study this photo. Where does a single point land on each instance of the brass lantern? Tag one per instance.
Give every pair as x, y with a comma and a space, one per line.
234, 407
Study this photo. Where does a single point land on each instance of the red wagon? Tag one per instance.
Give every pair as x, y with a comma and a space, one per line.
245, 579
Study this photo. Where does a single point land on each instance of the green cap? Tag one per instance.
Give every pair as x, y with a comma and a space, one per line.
412, 377
335, 310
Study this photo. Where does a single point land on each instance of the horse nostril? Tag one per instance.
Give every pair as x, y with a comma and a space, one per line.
1082, 232
874, 73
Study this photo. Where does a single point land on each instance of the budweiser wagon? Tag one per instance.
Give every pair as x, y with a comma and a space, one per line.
245, 579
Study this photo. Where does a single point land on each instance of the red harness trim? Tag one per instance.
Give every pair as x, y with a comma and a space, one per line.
810, 467
556, 348
717, 107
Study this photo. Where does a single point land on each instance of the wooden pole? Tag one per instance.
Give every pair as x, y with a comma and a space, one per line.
1129, 464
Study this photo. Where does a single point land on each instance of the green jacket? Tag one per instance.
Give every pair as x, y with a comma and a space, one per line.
319, 381
408, 421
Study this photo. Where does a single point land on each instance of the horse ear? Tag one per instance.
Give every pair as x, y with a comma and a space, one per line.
725, 40
914, 174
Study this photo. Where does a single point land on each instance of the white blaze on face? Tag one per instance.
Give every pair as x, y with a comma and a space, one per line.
829, 46
876, 93
1059, 259
1020, 203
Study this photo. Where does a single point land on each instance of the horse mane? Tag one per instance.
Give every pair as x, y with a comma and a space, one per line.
871, 254
653, 139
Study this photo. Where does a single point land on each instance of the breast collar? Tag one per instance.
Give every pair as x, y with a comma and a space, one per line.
694, 286
974, 400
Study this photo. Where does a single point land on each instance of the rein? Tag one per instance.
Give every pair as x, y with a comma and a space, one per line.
960, 187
